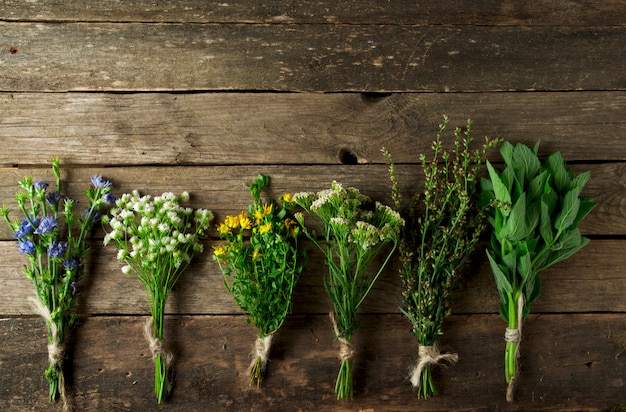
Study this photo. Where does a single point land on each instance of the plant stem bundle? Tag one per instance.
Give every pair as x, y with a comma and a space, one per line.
156, 238
536, 209
443, 225
354, 232
261, 272
54, 239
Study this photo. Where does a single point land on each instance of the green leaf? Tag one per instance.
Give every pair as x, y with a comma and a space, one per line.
524, 264
586, 205
536, 185
556, 165
567, 215
532, 291
502, 282
515, 227
569, 239
500, 190
581, 180
506, 151
526, 163
545, 227
560, 255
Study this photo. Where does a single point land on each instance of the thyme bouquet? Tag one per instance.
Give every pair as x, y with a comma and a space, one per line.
535, 211
156, 238
261, 272
54, 239
443, 226
354, 230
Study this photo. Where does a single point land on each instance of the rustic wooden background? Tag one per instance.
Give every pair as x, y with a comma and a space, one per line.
202, 96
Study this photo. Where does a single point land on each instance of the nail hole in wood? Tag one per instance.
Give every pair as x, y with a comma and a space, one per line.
348, 157
374, 98
14, 50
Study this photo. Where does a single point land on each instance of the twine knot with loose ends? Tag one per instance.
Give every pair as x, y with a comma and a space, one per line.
157, 349
262, 350
429, 355
346, 349
56, 351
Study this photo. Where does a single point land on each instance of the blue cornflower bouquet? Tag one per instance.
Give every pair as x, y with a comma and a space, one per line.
157, 238
54, 238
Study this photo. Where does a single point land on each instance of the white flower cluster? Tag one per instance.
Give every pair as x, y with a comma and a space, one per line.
155, 231
349, 216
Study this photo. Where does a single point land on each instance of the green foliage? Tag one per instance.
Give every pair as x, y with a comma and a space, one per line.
262, 271
443, 225
535, 210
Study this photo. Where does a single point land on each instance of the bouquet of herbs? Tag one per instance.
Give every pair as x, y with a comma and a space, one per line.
443, 225
54, 238
156, 238
261, 272
536, 208
354, 231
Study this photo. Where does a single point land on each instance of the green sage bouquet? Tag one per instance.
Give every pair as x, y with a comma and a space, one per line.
443, 226
262, 271
53, 236
156, 238
536, 209
354, 231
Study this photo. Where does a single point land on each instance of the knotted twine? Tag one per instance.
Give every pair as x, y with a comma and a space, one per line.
515, 336
429, 355
157, 349
56, 351
346, 350
262, 349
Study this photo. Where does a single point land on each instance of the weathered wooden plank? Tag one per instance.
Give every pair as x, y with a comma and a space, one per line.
485, 12
224, 190
138, 56
593, 280
569, 362
238, 128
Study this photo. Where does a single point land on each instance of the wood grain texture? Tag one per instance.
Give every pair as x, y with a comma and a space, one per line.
593, 280
239, 128
485, 12
183, 57
569, 362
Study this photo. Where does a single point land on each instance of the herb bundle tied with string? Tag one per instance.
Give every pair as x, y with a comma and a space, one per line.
156, 239
354, 230
54, 238
535, 211
262, 271
443, 226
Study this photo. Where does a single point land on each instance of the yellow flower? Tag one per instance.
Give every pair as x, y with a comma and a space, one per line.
244, 221
256, 254
267, 209
258, 215
223, 229
265, 228
232, 222
219, 251
287, 198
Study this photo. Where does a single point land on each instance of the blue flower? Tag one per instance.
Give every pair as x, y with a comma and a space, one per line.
47, 225
26, 246
109, 199
57, 249
39, 185
53, 198
99, 182
93, 215
71, 263
25, 228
